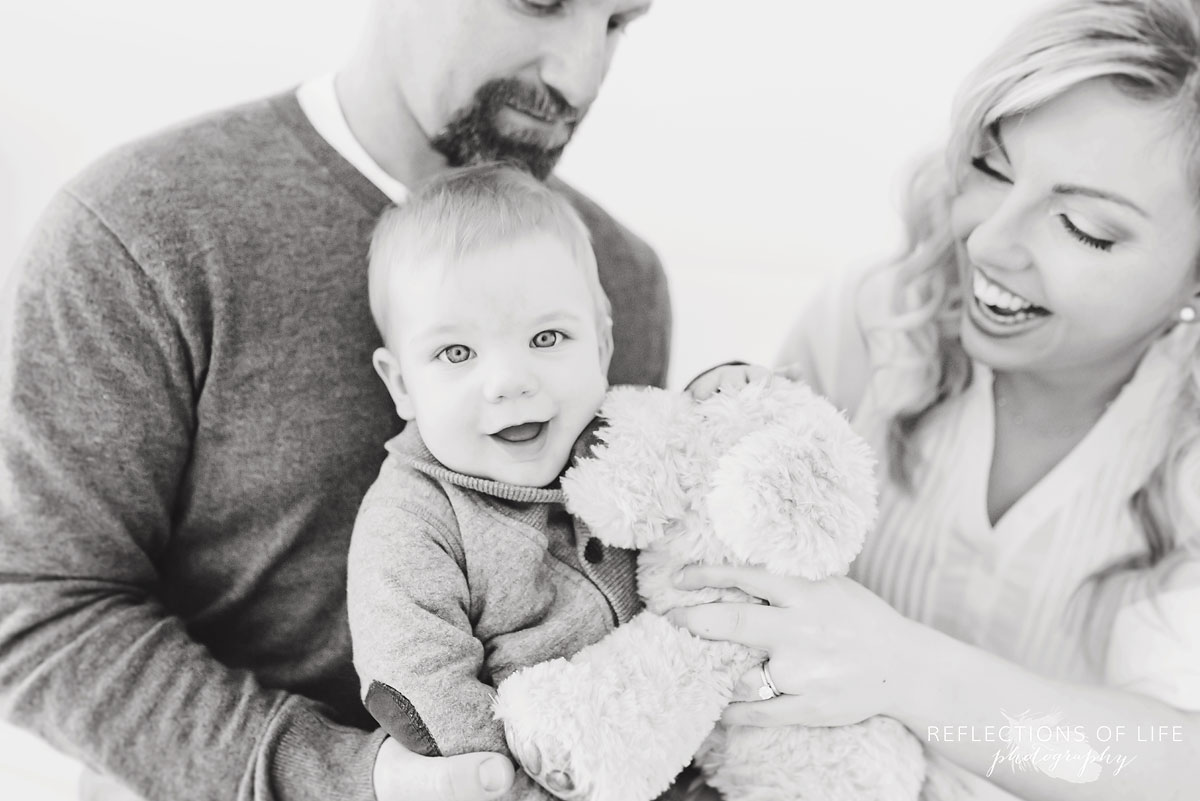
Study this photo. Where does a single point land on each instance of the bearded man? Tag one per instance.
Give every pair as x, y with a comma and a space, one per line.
189, 416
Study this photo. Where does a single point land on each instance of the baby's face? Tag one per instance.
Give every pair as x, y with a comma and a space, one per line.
500, 359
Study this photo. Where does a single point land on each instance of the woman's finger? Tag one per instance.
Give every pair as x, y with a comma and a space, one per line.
786, 710
746, 687
776, 590
749, 685
703, 386
752, 625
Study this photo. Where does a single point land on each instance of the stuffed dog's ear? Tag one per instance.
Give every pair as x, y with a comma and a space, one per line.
798, 495
630, 488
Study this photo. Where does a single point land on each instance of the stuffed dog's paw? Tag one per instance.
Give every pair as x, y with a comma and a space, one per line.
539, 737
552, 771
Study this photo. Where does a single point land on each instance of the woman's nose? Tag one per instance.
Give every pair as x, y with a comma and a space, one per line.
993, 224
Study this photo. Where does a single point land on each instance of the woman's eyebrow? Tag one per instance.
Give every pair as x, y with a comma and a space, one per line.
1072, 189
1087, 191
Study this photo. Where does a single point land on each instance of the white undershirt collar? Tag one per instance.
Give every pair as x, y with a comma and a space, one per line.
318, 99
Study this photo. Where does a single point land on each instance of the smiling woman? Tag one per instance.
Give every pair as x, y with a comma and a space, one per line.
1031, 369
1082, 213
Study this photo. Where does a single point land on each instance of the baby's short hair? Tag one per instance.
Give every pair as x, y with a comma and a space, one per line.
466, 210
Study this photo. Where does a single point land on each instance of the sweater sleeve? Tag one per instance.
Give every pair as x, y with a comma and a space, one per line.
96, 416
825, 346
418, 660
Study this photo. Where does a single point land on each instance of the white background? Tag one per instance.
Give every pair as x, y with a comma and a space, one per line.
758, 145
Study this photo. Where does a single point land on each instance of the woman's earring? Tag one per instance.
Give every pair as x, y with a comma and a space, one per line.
1187, 314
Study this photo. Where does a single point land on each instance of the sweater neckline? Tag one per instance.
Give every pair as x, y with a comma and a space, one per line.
410, 447
287, 107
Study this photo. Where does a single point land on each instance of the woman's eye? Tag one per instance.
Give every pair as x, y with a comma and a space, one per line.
1083, 236
546, 339
455, 354
981, 163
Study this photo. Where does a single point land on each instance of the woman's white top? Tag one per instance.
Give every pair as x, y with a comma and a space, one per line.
1010, 588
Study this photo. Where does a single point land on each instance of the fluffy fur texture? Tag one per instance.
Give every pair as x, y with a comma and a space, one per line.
770, 475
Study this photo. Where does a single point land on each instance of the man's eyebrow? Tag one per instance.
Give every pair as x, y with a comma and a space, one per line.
1087, 191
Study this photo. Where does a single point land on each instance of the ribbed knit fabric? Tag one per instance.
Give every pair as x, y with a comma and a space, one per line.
188, 422
454, 583
613, 570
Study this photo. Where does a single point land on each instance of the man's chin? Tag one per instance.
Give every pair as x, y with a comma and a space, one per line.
531, 158
528, 144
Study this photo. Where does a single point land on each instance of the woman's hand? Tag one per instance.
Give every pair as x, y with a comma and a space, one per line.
724, 376
836, 651
401, 775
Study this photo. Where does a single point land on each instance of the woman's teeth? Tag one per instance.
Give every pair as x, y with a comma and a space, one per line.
1001, 305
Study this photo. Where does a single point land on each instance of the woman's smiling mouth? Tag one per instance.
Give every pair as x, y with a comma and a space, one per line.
1001, 306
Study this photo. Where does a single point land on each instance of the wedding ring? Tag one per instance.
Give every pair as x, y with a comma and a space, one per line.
768, 690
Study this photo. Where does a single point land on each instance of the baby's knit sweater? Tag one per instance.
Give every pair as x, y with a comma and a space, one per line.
454, 582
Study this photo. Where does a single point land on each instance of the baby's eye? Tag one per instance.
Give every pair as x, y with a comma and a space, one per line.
547, 339
455, 354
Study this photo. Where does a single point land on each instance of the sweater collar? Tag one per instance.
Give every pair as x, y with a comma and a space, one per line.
369, 196
319, 101
408, 446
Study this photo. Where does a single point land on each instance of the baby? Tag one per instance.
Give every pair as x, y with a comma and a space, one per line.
464, 565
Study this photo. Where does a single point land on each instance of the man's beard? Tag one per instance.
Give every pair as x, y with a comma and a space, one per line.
472, 135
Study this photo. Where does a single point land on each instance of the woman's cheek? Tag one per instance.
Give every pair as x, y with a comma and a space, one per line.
973, 205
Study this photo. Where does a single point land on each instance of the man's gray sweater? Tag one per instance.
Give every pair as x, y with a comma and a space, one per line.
188, 421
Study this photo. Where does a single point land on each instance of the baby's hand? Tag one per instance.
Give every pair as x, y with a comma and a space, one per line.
725, 376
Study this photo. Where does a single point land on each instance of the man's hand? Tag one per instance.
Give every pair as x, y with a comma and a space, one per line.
725, 376
401, 775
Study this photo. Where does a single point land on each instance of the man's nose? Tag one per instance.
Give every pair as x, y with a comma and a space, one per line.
508, 379
576, 60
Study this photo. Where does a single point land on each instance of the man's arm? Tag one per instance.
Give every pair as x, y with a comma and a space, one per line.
96, 417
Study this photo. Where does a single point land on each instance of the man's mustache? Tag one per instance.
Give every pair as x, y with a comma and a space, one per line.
543, 102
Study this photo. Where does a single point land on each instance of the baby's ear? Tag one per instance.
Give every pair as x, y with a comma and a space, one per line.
798, 495
629, 489
387, 367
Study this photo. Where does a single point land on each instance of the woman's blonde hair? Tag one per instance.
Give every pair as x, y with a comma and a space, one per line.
1149, 49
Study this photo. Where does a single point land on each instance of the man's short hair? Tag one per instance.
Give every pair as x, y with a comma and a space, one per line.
467, 210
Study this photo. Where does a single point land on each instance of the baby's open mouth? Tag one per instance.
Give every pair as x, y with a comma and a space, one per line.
520, 433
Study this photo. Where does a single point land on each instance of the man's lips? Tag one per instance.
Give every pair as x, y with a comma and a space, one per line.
554, 126
550, 116
523, 432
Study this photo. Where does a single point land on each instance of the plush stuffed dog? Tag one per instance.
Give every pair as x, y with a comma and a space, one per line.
768, 475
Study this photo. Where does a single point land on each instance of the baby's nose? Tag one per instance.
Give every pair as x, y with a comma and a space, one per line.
510, 381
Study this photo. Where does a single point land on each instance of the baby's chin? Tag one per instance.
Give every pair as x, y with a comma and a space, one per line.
529, 475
